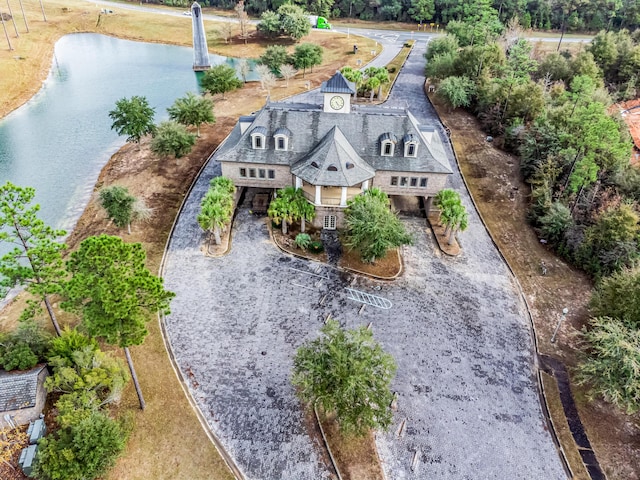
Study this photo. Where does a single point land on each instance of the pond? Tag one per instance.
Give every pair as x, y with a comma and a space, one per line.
59, 141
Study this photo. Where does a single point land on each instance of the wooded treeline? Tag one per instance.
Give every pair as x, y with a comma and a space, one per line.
574, 15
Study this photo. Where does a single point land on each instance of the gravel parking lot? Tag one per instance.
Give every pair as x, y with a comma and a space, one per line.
457, 329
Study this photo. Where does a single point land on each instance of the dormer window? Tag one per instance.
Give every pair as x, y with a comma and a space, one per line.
259, 138
350, 165
282, 136
332, 168
314, 165
387, 144
410, 145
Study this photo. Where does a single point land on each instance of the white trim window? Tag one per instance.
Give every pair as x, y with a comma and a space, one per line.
259, 138
388, 144
329, 222
410, 145
281, 137
411, 149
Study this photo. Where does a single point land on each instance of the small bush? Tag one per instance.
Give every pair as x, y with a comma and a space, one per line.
19, 357
391, 69
303, 240
316, 247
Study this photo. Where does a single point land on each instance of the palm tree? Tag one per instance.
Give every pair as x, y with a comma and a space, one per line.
305, 211
290, 205
462, 222
216, 211
444, 200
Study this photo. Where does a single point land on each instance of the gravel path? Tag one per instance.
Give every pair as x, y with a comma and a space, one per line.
457, 330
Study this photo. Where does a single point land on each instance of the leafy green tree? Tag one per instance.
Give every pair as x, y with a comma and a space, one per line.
612, 362
119, 205
421, 10
442, 45
88, 379
133, 118
115, 293
216, 208
372, 227
36, 259
347, 372
83, 451
220, 79
441, 66
456, 91
192, 109
269, 24
611, 243
294, 21
307, 55
557, 220
274, 57
172, 139
618, 296
554, 67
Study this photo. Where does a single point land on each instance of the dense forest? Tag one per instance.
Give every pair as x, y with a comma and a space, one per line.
569, 15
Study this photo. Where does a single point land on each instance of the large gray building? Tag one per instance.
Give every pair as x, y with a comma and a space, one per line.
335, 151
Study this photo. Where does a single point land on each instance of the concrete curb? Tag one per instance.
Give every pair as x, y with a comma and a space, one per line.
229, 461
534, 337
326, 444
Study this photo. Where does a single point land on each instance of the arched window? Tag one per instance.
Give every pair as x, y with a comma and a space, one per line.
259, 138
350, 165
387, 144
332, 168
282, 136
410, 145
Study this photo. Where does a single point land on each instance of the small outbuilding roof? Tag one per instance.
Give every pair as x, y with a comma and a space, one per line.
19, 389
338, 84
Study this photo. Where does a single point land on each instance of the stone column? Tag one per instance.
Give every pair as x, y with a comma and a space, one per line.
318, 200
343, 197
365, 185
298, 182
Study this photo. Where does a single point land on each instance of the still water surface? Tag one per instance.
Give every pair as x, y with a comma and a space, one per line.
59, 141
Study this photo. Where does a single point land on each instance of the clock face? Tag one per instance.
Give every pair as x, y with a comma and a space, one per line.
336, 102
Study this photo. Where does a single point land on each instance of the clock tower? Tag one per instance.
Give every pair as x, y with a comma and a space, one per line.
337, 93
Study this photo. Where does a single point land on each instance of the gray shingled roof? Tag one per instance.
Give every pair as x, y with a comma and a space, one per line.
338, 84
18, 389
362, 128
334, 163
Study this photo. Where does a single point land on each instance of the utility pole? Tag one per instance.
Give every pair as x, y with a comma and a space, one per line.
6, 34
13, 19
23, 15
42, 8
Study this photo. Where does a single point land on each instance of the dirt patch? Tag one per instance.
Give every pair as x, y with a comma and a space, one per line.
356, 457
494, 180
387, 267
